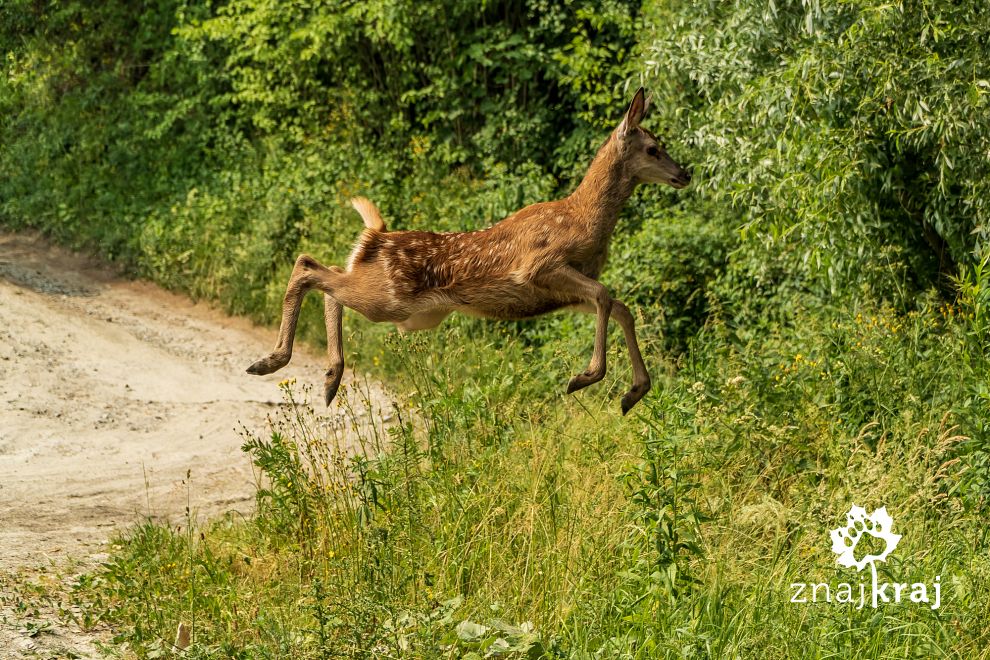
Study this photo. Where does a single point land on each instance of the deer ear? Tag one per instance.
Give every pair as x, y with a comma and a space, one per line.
634, 114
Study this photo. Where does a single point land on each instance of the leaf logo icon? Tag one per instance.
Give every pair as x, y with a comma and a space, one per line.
878, 525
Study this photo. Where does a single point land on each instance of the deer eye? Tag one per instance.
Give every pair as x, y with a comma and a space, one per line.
653, 151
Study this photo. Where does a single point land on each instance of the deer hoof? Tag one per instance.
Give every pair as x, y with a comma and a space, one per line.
332, 383
582, 380
632, 397
267, 365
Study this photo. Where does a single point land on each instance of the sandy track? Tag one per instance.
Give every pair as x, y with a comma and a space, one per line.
110, 391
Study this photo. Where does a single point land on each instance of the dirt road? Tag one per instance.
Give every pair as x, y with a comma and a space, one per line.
110, 391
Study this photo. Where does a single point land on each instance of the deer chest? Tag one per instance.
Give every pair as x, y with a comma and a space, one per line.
592, 262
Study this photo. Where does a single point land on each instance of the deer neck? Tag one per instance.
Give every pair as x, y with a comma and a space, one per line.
603, 191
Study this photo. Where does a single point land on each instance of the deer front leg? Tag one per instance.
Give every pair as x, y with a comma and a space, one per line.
333, 313
641, 378
569, 284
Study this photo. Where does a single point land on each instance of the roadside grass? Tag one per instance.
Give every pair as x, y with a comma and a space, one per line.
495, 517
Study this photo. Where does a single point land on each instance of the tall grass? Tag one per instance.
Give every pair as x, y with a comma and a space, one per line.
493, 516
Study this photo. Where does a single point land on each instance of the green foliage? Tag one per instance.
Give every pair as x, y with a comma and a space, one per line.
813, 310
845, 133
667, 266
667, 514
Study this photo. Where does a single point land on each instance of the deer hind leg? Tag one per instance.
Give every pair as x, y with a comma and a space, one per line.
333, 313
307, 274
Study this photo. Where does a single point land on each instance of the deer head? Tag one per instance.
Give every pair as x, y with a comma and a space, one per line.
646, 158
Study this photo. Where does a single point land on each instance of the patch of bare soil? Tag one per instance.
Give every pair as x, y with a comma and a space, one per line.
111, 392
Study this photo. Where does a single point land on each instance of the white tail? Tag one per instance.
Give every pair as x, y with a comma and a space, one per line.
369, 213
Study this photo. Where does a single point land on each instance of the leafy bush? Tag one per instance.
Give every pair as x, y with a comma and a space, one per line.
849, 135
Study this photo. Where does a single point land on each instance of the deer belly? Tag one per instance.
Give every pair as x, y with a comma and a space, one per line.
423, 320
514, 304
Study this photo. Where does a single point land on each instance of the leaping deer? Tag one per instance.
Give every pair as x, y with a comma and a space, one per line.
544, 257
